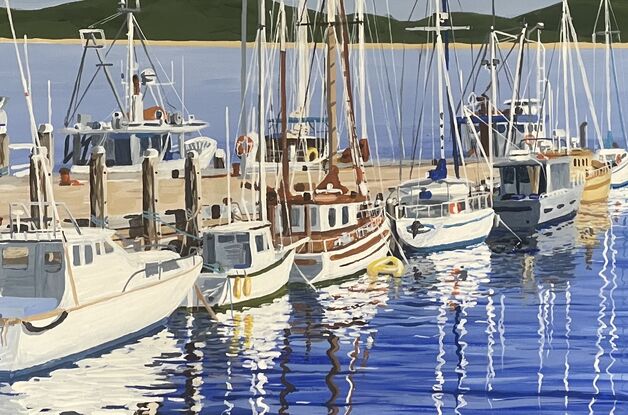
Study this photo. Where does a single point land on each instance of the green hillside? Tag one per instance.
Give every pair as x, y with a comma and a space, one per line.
220, 20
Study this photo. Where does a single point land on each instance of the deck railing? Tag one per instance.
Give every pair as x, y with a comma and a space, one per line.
39, 220
453, 207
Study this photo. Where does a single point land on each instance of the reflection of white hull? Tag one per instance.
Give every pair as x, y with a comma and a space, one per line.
341, 263
227, 288
97, 323
446, 232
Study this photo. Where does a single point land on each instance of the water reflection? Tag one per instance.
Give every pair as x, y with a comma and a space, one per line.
127, 378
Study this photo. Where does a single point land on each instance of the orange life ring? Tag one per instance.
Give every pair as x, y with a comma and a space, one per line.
455, 208
240, 147
529, 139
618, 159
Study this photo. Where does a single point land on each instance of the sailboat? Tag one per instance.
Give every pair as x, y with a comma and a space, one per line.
596, 174
67, 290
242, 262
347, 230
307, 146
134, 126
441, 213
612, 154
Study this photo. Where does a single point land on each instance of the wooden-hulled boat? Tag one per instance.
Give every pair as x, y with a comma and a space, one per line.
346, 230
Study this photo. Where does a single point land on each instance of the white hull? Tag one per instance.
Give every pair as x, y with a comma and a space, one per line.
619, 177
95, 324
353, 259
446, 232
227, 288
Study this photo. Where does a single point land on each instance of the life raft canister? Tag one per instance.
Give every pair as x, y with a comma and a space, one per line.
244, 145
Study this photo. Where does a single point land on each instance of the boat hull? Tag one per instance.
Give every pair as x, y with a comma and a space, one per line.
619, 177
526, 216
223, 289
324, 267
94, 325
447, 232
597, 187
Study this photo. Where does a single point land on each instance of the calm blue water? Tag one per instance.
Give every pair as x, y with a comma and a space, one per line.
538, 329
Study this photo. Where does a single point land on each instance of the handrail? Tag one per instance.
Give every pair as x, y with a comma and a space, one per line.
16, 219
455, 206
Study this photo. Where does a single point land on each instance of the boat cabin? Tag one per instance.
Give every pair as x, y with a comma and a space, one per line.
239, 246
529, 178
32, 277
307, 139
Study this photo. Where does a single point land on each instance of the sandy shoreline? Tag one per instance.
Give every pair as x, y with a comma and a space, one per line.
236, 44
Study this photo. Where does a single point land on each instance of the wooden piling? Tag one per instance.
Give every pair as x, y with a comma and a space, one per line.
4, 154
98, 188
150, 200
37, 186
46, 140
193, 197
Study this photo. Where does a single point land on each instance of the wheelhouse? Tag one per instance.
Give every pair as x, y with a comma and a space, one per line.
530, 178
237, 248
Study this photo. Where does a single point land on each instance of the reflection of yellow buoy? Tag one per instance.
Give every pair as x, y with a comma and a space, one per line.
246, 288
236, 288
311, 154
386, 266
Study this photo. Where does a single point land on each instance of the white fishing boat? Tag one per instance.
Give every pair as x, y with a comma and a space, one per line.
612, 153
442, 213
69, 291
242, 262
535, 192
136, 124
242, 265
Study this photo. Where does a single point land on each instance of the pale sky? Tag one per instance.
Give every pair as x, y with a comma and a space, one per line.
398, 8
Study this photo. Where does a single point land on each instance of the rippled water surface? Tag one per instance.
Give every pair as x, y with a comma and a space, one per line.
537, 329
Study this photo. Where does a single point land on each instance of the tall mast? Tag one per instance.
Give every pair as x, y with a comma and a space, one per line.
130, 59
243, 68
285, 173
492, 104
564, 51
607, 50
361, 67
440, 69
303, 69
261, 147
332, 125
358, 164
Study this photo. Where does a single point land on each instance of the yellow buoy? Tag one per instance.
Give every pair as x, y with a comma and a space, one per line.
248, 285
389, 265
312, 153
237, 293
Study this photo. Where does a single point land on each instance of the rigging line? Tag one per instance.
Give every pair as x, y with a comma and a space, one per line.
421, 115
105, 20
143, 42
385, 64
379, 84
415, 126
474, 69
77, 83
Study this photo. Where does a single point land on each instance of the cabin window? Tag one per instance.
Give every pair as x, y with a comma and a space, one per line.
15, 258
230, 251
97, 245
76, 255
53, 261
89, 254
260, 243
313, 217
560, 176
501, 128
295, 217
108, 248
331, 216
345, 215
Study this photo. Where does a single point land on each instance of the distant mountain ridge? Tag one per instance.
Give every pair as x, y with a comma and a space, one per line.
219, 20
